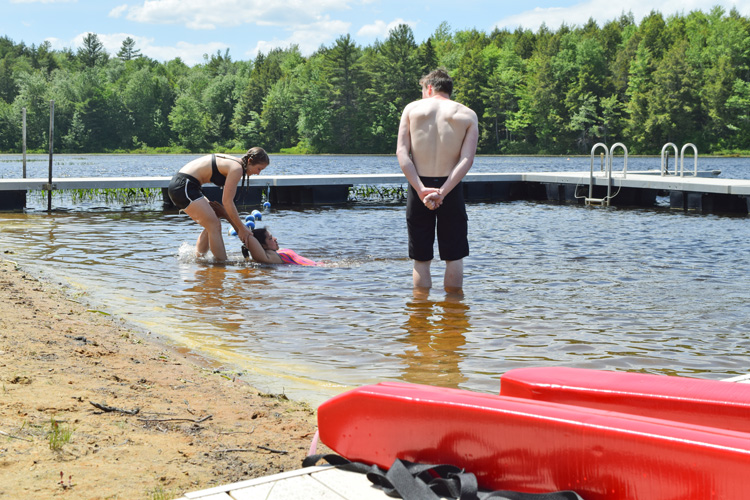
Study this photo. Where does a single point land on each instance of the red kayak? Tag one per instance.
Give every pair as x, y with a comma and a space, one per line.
520, 444
704, 402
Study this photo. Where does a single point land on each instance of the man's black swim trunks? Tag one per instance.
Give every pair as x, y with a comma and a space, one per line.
450, 218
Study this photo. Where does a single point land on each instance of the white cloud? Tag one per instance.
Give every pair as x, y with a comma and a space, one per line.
307, 37
118, 11
202, 15
190, 53
56, 43
305, 23
380, 29
603, 11
374, 30
43, 1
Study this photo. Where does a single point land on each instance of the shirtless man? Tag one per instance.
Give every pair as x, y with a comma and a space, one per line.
437, 141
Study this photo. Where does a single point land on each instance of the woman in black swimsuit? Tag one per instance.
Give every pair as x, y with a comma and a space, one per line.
222, 170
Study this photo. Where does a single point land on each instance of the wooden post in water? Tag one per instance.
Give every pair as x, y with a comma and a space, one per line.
51, 142
23, 134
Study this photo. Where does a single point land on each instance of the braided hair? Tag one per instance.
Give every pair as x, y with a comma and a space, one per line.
253, 156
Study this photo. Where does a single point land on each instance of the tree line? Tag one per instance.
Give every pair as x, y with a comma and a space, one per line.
680, 79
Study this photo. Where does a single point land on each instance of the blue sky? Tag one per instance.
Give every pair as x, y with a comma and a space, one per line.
165, 29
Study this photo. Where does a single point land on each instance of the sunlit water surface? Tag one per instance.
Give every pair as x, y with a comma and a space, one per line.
652, 290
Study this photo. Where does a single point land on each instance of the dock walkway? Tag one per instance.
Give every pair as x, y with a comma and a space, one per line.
707, 194
321, 482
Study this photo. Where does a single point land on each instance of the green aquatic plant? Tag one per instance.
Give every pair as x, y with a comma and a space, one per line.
123, 196
126, 196
369, 193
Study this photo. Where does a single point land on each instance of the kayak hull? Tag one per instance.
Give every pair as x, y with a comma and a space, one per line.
533, 446
711, 403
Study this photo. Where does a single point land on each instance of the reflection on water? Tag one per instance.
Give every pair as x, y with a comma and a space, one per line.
207, 295
435, 338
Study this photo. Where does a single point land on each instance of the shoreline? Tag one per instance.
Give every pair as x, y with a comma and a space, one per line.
121, 414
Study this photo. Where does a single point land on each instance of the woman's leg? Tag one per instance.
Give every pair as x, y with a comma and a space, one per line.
202, 245
202, 213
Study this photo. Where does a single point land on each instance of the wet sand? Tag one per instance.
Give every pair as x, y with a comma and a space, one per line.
91, 408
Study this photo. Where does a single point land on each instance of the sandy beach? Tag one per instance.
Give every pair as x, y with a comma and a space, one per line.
93, 409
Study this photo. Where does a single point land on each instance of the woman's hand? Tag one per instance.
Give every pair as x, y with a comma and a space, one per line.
243, 233
245, 236
219, 210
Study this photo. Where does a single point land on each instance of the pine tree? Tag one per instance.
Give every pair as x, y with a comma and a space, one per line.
92, 51
128, 50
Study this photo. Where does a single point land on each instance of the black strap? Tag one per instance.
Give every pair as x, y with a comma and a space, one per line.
413, 481
339, 462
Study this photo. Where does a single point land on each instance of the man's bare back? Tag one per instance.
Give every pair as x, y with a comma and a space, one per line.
437, 137
438, 127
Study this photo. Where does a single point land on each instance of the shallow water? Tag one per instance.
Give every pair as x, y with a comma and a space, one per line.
652, 290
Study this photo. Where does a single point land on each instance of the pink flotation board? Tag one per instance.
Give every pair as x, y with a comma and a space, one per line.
535, 446
289, 256
704, 402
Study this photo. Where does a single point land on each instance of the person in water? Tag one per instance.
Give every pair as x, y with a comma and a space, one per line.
224, 171
264, 247
437, 141
273, 253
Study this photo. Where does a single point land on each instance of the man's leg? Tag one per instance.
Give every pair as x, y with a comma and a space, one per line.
452, 234
421, 274
420, 223
454, 275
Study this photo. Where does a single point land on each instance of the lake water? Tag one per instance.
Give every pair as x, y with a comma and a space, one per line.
650, 290
68, 165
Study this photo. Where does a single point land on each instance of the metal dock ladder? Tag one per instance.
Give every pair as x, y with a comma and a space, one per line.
681, 157
590, 200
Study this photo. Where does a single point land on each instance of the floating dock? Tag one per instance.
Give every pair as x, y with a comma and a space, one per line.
706, 193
